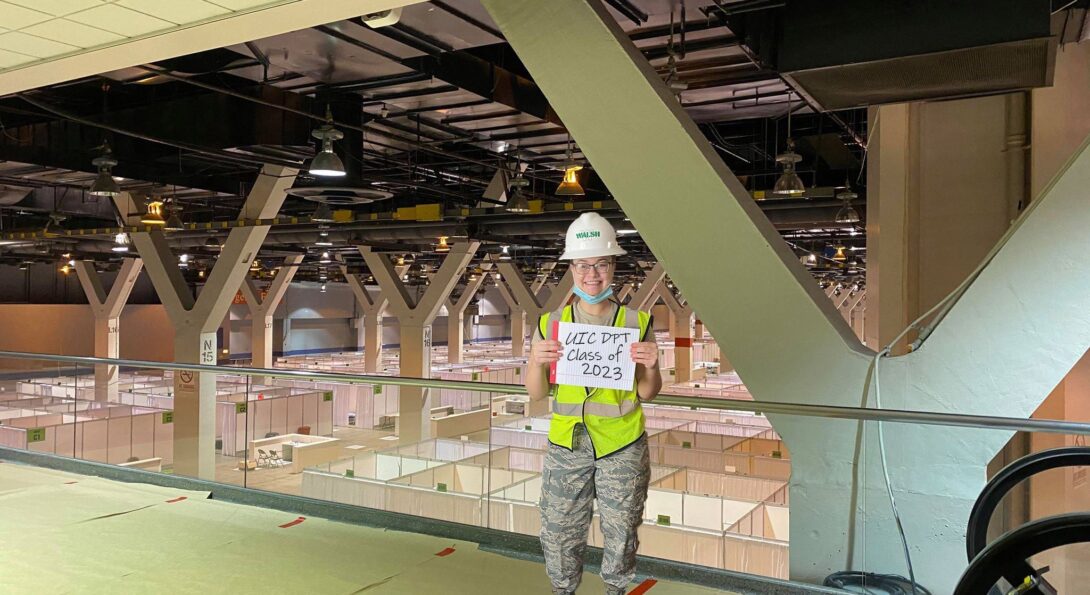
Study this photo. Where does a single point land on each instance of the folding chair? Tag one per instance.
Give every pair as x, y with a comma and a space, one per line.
274, 457
263, 457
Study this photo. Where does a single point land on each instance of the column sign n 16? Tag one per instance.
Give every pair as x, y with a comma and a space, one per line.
596, 356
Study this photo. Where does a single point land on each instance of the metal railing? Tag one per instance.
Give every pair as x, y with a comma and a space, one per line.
1051, 426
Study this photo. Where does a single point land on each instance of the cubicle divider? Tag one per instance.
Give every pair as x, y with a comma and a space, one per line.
243, 420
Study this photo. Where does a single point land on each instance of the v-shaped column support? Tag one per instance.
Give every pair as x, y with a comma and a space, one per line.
262, 310
530, 299
646, 295
517, 320
415, 319
456, 316
196, 319
369, 326
681, 331
106, 308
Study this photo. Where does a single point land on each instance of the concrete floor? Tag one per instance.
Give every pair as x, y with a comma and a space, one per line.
71, 533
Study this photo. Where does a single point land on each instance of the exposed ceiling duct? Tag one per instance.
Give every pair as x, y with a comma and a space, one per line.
856, 53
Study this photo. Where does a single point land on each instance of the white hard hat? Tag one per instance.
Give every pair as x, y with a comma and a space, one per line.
590, 236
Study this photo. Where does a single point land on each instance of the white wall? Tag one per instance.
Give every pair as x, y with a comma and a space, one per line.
62, 329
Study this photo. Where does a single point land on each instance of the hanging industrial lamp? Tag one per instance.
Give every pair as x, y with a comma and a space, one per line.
442, 246
323, 214
325, 259
105, 184
121, 243
212, 243
326, 162
840, 255
174, 222
505, 253
517, 203
789, 183
154, 213
847, 213
570, 185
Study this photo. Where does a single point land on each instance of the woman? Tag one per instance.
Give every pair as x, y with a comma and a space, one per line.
597, 444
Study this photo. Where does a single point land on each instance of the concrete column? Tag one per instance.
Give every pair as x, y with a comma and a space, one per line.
517, 320
647, 294
195, 320
106, 308
681, 331
261, 310
455, 317
415, 317
369, 326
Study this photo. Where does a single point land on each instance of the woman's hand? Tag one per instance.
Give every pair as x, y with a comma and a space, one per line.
545, 352
645, 353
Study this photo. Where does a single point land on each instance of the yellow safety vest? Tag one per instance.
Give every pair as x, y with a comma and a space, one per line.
613, 418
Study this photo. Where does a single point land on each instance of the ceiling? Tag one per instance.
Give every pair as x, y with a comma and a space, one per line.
432, 108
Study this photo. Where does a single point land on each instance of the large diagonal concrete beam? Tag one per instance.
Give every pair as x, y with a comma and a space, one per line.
262, 310
414, 319
106, 308
1000, 350
195, 320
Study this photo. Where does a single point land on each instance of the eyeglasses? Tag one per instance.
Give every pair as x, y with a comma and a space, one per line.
583, 268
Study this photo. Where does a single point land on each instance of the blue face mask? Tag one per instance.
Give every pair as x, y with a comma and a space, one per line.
594, 299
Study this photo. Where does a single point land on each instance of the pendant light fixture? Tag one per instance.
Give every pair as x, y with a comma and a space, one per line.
174, 222
516, 201
104, 184
121, 243
323, 214
505, 253
789, 183
847, 213
154, 214
212, 243
325, 259
840, 255
326, 162
570, 185
323, 239
442, 246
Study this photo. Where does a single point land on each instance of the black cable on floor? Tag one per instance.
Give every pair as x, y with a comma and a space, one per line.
870, 583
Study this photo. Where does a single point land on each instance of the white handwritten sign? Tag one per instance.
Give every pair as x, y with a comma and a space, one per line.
596, 356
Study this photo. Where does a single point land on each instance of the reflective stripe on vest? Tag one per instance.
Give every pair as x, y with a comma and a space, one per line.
594, 408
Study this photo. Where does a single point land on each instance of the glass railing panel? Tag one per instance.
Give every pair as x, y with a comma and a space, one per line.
720, 469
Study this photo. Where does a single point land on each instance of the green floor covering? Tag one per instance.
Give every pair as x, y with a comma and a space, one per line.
67, 533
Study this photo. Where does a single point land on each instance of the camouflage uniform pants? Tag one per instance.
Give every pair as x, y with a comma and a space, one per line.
571, 481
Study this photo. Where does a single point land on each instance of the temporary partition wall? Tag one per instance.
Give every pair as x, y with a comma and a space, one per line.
114, 436
724, 485
242, 421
